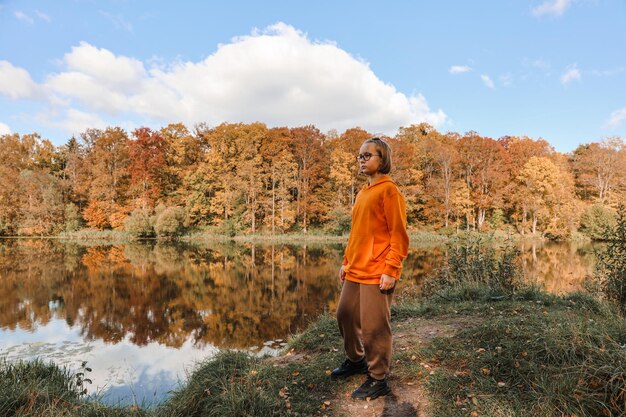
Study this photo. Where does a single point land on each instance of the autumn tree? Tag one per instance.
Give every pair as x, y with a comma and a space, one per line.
545, 196
183, 152
16, 155
41, 203
75, 172
108, 187
308, 148
440, 159
146, 153
482, 161
282, 170
600, 170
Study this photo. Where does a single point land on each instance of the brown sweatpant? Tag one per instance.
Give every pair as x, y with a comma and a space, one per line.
364, 317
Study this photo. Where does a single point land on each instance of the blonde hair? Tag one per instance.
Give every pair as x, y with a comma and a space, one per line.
385, 154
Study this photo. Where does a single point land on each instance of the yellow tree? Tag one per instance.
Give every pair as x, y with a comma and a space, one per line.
108, 162
308, 148
460, 203
41, 203
600, 169
442, 158
282, 170
545, 195
235, 162
183, 153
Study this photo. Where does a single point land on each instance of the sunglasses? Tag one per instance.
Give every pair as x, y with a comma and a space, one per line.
366, 156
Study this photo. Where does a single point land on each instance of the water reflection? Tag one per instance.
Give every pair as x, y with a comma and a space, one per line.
558, 268
225, 295
140, 313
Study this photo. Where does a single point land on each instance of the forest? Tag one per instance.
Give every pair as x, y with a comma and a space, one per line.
238, 178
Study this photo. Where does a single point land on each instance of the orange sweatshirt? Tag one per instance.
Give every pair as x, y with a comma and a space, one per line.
378, 240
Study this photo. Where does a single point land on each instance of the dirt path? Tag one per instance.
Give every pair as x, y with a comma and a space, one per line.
408, 398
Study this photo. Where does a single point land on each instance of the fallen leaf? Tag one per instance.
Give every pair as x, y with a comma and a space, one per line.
485, 371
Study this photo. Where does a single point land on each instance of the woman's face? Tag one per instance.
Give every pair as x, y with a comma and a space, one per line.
371, 166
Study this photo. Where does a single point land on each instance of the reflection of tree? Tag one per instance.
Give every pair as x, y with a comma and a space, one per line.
222, 294
557, 268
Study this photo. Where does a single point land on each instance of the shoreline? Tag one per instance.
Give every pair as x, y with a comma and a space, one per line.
415, 237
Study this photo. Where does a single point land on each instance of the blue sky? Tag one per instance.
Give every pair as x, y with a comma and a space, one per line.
543, 68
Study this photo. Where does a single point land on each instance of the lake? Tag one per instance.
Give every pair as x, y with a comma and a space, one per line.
143, 314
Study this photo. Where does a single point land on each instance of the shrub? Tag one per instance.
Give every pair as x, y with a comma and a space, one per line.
596, 220
139, 224
170, 223
611, 263
340, 222
473, 263
73, 220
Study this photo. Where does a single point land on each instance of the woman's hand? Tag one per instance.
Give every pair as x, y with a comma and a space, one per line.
387, 282
342, 275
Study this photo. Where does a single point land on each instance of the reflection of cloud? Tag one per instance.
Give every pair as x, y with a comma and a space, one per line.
118, 370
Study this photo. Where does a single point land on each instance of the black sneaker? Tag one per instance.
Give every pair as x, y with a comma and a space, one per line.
349, 368
372, 389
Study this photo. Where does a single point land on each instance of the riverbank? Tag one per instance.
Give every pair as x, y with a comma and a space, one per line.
417, 237
462, 353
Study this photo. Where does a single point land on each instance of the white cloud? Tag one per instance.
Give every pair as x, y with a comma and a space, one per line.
43, 16
277, 76
459, 69
487, 81
608, 72
15, 82
571, 74
4, 129
616, 118
24, 17
71, 120
553, 7
118, 21
506, 79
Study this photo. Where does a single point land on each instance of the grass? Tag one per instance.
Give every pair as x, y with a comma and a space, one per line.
237, 384
539, 356
44, 389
